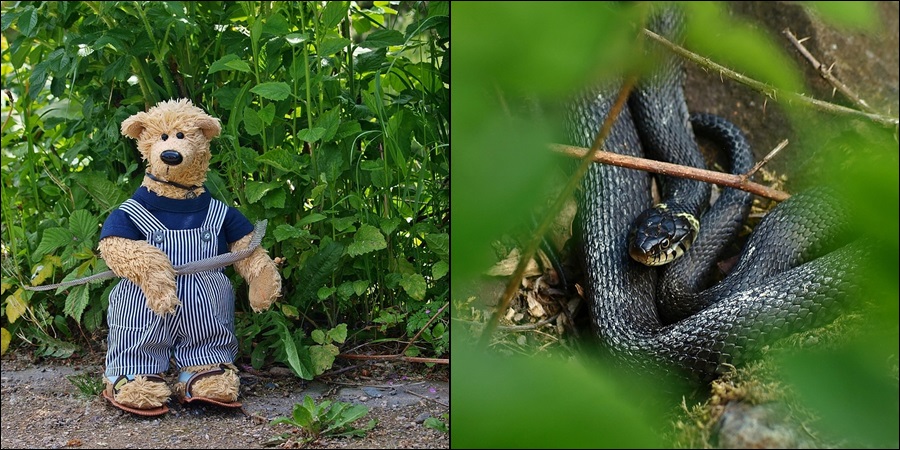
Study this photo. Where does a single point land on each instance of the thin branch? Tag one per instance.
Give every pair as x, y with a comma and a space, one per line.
516, 278
403, 352
765, 160
397, 358
649, 165
825, 72
768, 90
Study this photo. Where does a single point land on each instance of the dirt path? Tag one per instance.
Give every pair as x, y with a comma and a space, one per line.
41, 408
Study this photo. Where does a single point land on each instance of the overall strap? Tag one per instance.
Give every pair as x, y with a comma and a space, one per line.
216, 215
143, 219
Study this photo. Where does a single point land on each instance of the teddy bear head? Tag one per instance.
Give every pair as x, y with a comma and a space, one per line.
173, 137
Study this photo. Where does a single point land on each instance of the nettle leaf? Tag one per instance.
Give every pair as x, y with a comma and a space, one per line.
414, 285
275, 199
83, 225
367, 239
329, 121
439, 243
255, 190
311, 218
76, 302
360, 286
53, 239
272, 90
383, 38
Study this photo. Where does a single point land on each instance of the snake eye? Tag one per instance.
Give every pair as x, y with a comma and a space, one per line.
664, 244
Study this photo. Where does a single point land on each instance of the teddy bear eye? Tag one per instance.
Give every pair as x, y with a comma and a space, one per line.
164, 136
180, 135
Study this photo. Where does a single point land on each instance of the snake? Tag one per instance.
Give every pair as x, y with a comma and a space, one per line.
798, 269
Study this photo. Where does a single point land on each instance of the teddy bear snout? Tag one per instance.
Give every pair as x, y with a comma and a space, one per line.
171, 157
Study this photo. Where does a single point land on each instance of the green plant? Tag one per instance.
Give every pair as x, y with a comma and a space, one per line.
327, 419
439, 424
88, 385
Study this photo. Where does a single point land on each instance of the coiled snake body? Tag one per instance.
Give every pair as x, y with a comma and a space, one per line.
794, 273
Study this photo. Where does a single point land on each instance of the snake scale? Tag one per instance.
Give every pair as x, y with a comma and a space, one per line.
795, 272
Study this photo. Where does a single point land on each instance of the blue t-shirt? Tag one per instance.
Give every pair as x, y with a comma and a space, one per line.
176, 215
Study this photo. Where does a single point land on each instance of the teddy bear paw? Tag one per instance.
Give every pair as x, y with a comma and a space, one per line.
265, 289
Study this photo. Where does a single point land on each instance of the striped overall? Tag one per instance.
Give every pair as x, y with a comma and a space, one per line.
201, 331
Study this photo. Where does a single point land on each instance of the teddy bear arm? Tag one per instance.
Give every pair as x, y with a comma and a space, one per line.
146, 266
261, 274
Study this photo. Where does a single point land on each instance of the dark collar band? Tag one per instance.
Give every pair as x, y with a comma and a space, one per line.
190, 189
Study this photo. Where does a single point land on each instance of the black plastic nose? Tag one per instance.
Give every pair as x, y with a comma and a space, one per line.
171, 157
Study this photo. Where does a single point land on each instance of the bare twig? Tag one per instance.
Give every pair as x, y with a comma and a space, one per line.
765, 160
771, 91
533, 244
825, 72
649, 165
427, 398
397, 358
403, 352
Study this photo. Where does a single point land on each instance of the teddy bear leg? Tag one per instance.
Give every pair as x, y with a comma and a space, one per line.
217, 383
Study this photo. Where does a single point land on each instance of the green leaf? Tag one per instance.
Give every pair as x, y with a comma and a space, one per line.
290, 311
104, 192
414, 285
272, 90
318, 336
325, 292
860, 15
238, 65
318, 269
329, 122
295, 39
439, 269
302, 414
435, 424
222, 63
311, 218
367, 239
275, 199
28, 20
255, 190
383, 38
331, 45
252, 123
281, 159
334, 13
83, 225
439, 243
311, 134
360, 286
285, 231
339, 333
267, 114
323, 356
76, 301
342, 223
293, 355
53, 239
389, 225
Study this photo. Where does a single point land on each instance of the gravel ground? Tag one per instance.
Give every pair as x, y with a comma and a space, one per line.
41, 408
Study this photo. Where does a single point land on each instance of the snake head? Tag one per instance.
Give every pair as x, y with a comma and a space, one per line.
659, 235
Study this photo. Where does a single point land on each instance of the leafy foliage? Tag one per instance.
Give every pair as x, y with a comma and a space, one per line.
327, 419
335, 129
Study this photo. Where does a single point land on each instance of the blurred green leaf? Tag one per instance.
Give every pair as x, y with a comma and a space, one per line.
861, 15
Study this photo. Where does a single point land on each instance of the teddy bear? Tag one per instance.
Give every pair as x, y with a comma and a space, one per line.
155, 314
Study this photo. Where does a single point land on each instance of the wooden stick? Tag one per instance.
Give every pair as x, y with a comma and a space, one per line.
826, 72
768, 90
759, 165
649, 165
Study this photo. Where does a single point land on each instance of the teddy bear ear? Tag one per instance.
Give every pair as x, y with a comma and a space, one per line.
134, 125
209, 126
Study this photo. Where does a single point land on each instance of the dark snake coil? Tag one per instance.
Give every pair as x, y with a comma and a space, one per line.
796, 271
